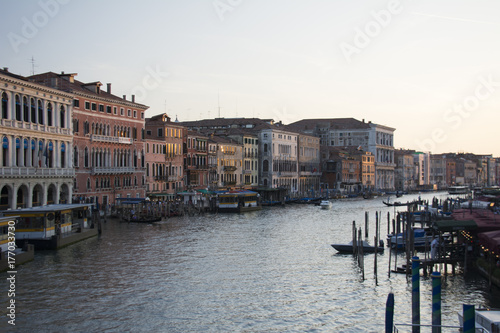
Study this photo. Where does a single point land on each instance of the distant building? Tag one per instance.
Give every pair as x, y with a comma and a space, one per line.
195, 160
164, 157
37, 143
228, 166
404, 172
349, 132
309, 165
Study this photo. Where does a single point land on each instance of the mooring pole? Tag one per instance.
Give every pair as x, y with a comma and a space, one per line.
389, 313
436, 302
469, 319
415, 294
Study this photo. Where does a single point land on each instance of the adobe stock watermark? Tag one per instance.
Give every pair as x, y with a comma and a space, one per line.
151, 81
372, 29
31, 26
455, 115
225, 6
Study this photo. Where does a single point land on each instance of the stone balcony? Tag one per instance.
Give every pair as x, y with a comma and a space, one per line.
34, 127
111, 139
36, 172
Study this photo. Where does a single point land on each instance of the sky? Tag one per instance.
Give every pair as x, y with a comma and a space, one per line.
428, 69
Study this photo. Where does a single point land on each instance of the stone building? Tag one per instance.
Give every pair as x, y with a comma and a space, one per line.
229, 167
164, 157
196, 160
37, 143
108, 147
349, 132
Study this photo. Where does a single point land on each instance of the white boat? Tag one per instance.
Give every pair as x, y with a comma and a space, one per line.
458, 190
325, 204
485, 320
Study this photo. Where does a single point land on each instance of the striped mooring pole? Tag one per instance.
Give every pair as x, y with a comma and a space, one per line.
436, 302
389, 313
415, 294
469, 315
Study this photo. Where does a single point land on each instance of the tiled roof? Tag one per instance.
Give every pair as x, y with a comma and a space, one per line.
331, 123
62, 82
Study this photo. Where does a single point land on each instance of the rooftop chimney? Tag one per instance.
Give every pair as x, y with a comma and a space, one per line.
6, 69
109, 88
133, 98
125, 97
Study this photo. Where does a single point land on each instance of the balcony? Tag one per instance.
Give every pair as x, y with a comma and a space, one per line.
36, 172
34, 127
113, 170
111, 139
229, 168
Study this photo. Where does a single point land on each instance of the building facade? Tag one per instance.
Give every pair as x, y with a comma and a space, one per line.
108, 146
37, 143
164, 157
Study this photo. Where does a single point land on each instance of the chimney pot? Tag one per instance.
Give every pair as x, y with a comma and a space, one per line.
125, 97
133, 98
109, 88
6, 69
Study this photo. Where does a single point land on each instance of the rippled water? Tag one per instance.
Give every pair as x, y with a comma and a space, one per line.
267, 271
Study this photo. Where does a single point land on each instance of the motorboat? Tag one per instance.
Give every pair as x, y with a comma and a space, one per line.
325, 204
420, 240
367, 248
485, 319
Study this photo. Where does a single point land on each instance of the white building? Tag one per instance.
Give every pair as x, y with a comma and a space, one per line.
37, 143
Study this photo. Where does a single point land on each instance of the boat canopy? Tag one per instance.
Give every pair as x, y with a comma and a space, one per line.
454, 225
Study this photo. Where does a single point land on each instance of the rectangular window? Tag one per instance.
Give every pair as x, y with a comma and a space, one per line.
87, 105
115, 110
135, 114
148, 132
101, 108
160, 132
129, 113
122, 111
108, 109
76, 103
94, 107
142, 115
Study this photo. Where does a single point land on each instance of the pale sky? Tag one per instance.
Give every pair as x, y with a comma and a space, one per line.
429, 69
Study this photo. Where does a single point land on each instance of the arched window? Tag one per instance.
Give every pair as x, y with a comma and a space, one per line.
63, 155
49, 114
265, 166
40, 112
18, 108
26, 109
86, 158
33, 110
62, 117
5, 150
88, 183
75, 156
5, 103
147, 168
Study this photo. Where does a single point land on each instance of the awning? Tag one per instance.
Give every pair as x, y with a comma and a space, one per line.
454, 225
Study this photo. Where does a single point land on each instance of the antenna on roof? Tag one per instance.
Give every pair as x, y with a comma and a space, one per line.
218, 101
33, 65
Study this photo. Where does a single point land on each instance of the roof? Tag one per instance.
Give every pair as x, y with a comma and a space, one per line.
331, 123
454, 225
490, 240
46, 208
66, 82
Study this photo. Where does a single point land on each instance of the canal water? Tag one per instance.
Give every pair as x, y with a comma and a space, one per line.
267, 271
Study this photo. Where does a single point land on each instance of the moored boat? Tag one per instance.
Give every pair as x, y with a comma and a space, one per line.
349, 248
238, 201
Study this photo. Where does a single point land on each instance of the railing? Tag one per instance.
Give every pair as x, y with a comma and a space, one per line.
34, 126
112, 170
28, 171
111, 139
202, 167
229, 168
